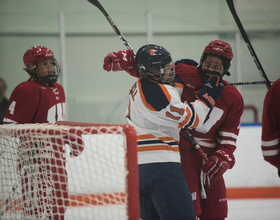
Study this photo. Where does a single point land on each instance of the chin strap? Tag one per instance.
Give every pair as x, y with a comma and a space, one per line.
51, 79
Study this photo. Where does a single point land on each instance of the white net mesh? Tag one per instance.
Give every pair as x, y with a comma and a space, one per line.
63, 172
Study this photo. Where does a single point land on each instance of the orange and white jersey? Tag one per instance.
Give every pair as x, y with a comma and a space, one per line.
157, 113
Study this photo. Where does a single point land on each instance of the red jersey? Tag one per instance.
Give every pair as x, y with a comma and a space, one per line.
271, 125
35, 102
221, 127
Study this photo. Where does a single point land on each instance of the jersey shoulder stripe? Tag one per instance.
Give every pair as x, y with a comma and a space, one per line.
155, 96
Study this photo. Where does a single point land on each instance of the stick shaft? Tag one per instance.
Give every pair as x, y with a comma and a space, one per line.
109, 19
246, 83
196, 145
248, 43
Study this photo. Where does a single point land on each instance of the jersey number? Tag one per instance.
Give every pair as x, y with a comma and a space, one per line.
56, 113
180, 111
12, 107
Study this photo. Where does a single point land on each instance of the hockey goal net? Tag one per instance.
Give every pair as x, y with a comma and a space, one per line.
68, 170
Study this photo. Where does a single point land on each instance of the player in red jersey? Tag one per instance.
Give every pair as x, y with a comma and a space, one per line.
42, 100
271, 126
217, 136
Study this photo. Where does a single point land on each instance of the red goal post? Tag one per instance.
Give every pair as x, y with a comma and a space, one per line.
102, 181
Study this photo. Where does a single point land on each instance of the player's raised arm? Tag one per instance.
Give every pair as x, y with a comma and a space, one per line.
121, 60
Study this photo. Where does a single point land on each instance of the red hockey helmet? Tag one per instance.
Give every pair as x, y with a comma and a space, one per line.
36, 54
222, 50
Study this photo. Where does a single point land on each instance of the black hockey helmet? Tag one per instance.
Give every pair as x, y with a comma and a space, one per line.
155, 62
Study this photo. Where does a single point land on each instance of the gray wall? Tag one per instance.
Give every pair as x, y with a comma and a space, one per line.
184, 27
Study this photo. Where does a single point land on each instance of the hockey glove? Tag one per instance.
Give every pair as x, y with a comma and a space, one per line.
75, 143
186, 61
117, 61
211, 91
218, 163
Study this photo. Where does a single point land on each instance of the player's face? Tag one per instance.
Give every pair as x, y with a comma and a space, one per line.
45, 67
213, 64
168, 73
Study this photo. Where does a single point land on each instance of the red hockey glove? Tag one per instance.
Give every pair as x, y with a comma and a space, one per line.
218, 163
210, 92
117, 61
75, 143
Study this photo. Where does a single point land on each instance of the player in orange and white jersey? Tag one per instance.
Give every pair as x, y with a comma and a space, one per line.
157, 113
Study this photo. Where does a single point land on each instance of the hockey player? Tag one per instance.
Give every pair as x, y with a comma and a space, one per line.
42, 100
271, 126
157, 113
218, 134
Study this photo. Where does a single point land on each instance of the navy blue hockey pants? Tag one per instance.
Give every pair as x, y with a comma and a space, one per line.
164, 193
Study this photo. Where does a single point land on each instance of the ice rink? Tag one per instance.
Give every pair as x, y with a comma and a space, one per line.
245, 209
254, 209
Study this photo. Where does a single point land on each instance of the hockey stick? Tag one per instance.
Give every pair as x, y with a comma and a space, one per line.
196, 145
100, 7
245, 83
248, 43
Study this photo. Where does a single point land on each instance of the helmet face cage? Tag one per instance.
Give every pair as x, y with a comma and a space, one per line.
167, 73
220, 49
212, 65
155, 63
47, 71
36, 59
